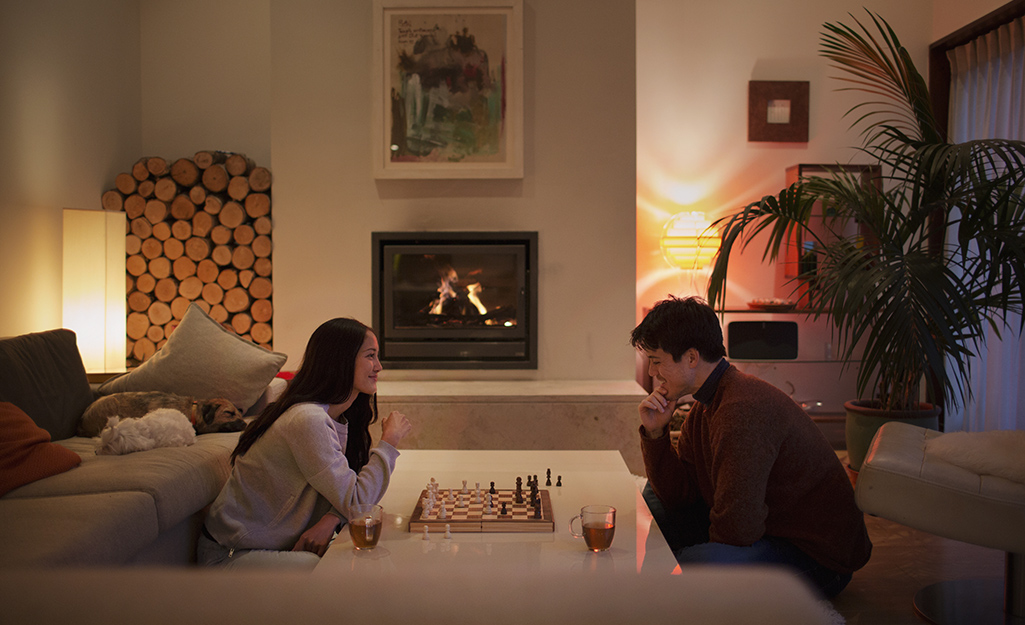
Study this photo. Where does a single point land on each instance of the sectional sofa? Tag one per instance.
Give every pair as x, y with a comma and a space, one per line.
61, 503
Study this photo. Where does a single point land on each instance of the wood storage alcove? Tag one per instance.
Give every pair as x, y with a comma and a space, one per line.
198, 230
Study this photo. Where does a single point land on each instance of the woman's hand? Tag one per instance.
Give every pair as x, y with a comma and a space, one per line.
394, 428
317, 538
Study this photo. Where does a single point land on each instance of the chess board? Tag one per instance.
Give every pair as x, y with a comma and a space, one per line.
470, 517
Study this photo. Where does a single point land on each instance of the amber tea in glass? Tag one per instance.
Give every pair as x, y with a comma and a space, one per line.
598, 524
365, 526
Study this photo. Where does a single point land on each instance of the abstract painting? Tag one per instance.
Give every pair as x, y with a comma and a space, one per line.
448, 84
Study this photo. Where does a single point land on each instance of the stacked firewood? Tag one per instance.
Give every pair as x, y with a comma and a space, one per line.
198, 230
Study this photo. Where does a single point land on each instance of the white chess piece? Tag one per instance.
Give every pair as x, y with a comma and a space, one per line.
441, 511
426, 533
448, 531
464, 487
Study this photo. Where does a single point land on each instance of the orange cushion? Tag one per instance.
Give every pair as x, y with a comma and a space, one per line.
26, 453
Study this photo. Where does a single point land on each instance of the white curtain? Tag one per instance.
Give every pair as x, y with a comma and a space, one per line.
987, 101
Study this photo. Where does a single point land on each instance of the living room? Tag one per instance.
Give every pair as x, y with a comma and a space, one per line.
655, 100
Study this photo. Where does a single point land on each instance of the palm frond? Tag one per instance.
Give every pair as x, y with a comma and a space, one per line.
903, 310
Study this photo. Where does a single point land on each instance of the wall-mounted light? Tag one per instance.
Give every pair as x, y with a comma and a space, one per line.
94, 286
688, 241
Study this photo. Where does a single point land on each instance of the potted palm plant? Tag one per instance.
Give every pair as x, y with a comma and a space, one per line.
938, 255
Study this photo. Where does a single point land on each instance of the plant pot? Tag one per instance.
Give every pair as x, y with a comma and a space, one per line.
864, 419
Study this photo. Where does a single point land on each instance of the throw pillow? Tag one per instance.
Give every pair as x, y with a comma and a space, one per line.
42, 373
203, 360
26, 453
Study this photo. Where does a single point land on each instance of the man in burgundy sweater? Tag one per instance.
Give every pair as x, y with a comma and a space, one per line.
752, 479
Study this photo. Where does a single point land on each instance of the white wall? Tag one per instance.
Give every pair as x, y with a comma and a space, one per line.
312, 121
69, 122
88, 87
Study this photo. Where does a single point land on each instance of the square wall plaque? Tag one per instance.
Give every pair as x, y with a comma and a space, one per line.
777, 111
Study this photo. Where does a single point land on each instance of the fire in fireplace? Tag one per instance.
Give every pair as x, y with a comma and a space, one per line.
452, 300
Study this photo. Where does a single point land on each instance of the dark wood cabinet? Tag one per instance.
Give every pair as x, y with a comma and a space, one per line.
796, 265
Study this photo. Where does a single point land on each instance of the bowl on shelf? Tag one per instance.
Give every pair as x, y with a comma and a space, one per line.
772, 305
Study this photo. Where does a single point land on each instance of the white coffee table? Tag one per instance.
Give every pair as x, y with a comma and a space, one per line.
588, 477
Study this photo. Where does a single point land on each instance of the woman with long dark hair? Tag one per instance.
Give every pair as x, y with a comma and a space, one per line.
300, 466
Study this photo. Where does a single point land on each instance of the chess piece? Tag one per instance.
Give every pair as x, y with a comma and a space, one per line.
558, 482
492, 491
465, 490
504, 511
448, 531
442, 512
426, 533
548, 477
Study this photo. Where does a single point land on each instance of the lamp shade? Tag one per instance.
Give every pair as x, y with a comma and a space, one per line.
688, 241
94, 286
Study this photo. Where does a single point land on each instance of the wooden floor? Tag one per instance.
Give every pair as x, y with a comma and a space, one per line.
903, 561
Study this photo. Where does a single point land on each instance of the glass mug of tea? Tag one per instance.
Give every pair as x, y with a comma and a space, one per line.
365, 523
598, 524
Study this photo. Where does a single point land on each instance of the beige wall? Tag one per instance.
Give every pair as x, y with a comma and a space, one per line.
950, 15
69, 121
577, 191
692, 86
89, 87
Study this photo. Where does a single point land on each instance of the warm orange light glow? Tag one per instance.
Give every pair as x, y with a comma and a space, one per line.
94, 286
688, 241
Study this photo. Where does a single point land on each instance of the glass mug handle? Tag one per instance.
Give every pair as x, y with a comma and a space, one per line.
572, 533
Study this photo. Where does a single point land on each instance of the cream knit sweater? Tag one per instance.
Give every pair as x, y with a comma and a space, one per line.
290, 477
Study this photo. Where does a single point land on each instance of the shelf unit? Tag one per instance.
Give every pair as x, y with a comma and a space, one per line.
790, 267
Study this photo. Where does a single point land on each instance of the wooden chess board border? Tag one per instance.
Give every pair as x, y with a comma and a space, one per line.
510, 525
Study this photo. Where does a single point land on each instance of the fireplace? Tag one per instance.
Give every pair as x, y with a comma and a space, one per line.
456, 300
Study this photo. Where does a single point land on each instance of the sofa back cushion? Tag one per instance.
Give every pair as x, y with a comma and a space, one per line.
42, 373
203, 360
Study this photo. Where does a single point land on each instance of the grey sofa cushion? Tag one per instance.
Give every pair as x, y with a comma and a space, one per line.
94, 529
202, 359
42, 373
179, 480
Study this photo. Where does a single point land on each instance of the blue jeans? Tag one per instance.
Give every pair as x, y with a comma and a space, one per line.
686, 531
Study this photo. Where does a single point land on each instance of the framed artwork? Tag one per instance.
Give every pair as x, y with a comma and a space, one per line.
777, 111
447, 89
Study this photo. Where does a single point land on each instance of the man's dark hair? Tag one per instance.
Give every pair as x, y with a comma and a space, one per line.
675, 325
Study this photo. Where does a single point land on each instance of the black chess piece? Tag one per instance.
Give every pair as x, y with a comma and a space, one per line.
558, 482
504, 511
493, 491
548, 477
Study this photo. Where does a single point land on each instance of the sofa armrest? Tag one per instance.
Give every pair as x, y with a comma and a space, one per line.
270, 395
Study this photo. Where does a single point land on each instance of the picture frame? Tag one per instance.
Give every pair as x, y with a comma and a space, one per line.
777, 111
447, 89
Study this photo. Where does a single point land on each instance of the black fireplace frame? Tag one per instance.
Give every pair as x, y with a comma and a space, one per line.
470, 349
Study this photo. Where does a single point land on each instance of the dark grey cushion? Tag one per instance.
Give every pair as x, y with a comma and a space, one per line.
42, 373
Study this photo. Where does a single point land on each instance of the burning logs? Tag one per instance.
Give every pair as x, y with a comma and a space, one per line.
198, 231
